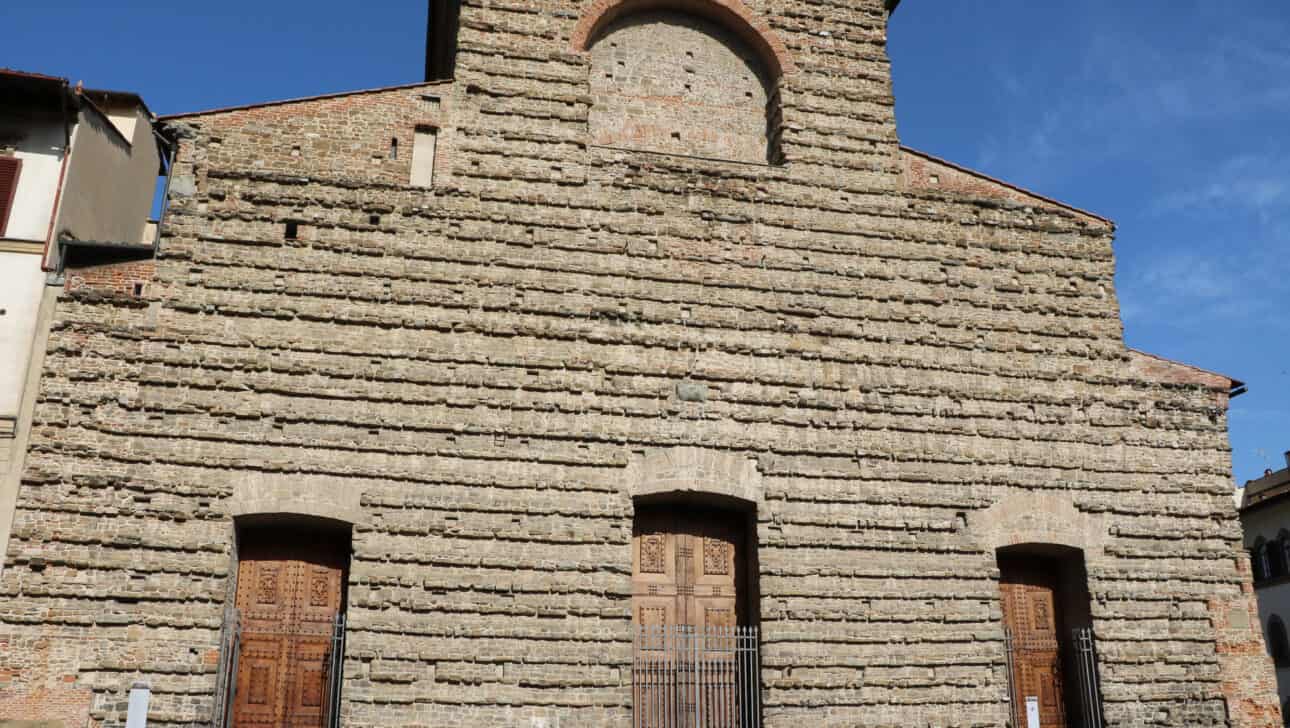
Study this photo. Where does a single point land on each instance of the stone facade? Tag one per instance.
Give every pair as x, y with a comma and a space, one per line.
902, 364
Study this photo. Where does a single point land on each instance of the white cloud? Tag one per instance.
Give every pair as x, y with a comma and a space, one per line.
1250, 182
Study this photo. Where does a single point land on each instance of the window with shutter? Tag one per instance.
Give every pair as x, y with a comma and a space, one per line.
9, 167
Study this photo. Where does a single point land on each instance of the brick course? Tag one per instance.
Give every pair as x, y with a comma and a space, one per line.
897, 370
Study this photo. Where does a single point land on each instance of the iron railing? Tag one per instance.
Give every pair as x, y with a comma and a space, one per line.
334, 663
1085, 652
232, 637
230, 647
688, 677
1086, 696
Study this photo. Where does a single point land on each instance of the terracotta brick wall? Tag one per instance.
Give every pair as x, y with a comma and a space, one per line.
126, 278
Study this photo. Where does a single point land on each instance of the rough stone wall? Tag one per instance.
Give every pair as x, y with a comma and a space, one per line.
479, 377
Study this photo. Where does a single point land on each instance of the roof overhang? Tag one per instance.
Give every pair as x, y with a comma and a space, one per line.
1271, 488
22, 89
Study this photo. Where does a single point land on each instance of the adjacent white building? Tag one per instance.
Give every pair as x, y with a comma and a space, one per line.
1265, 518
78, 167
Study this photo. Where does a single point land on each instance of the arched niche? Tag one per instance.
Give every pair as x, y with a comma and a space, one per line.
667, 79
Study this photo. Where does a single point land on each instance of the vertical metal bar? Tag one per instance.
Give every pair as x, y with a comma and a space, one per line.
732, 680
667, 683
658, 641
1086, 697
1008, 657
649, 697
673, 696
336, 668
743, 677
1095, 688
728, 665
651, 694
722, 698
756, 660
636, 651
231, 692
754, 679
732, 706
698, 680
719, 665
1095, 713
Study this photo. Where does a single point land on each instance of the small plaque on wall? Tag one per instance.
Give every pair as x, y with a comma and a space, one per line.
1032, 711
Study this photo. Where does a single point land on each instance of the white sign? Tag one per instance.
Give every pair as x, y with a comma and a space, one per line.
1032, 711
137, 712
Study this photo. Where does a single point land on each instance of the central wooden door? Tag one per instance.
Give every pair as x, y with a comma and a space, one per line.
687, 568
1030, 613
688, 596
290, 590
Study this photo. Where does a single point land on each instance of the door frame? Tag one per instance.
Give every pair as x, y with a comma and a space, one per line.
741, 513
1072, 604
282, 526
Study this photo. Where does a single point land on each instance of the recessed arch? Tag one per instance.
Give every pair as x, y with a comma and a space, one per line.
668, 81
733, 14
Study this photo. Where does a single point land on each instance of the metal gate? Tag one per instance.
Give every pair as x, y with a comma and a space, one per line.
1087, 689
231, 637
687, 677
230, 643
1090, 689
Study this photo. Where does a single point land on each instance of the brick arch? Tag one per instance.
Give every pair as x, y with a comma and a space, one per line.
1039, 518
297, 495
694, 470
733, 14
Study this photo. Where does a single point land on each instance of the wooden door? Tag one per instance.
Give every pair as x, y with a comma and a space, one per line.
1030, 613
290, 588
686, 568
688, 571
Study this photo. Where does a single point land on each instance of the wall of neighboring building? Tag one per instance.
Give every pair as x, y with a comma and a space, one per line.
471, 374
21, 281
38, 140
1270, 522
110, 182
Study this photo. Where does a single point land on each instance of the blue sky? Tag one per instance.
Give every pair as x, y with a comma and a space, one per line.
1168, 116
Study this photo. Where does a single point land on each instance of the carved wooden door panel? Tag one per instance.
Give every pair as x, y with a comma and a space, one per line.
1030, 612
289, 593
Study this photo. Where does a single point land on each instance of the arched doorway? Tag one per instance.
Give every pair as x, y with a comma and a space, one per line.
694, 611
1052, 667
287, 626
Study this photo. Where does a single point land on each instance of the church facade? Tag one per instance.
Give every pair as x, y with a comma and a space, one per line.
627, 372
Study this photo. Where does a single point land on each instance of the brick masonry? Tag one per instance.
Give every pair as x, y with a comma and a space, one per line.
902, 364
